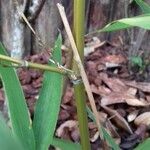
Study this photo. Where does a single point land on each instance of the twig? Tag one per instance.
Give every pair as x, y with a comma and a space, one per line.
20, 12
79, 64
24, 63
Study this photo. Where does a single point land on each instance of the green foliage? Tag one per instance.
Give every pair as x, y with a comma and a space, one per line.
138, 21
7, 140
65, 144
144, 6
141, 21
18, 111
137, 61
144, 146
21, 135
48, 104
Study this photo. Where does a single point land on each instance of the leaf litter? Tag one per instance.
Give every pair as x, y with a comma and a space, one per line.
123, 103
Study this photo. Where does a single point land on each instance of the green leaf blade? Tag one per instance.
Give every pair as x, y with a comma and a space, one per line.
7, 141
48, 104
144, 146
19, 116
142, 21
144, 6
65, 144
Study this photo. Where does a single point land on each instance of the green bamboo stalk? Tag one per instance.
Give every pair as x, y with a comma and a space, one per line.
78, 27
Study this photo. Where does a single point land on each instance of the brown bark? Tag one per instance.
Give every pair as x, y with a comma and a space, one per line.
12, 29
15, 35
47, 25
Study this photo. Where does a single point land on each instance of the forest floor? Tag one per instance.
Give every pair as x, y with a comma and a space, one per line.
121, 92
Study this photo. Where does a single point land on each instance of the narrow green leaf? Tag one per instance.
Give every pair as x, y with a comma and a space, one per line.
107, 137
144, 6
144, 146
142, 21
19, 115
7, 141
65, 144
48, 104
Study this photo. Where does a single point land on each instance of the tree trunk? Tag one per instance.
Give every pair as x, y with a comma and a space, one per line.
15, 34
44, 17
12, 29
47, 25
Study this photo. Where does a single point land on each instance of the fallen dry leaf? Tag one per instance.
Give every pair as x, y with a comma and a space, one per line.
115, 59
100, 90
131, 91
75, 135
143, 119
141, 131
91, 125
114, 84
112, 129
102, 117
91, 46
104, 90
95, 137
63, 115
132, 115
113, 98
143, 86
123, 97
68, 95
94, 89
118, 119
136, 102
68, 124
148, 98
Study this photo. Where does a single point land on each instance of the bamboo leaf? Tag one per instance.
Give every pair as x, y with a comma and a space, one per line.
65, 144
19, 116
144, 6
144, 146
7, 141
142, 21
48, 104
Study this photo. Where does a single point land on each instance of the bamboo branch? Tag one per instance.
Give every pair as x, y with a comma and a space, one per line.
79, 91
79, 64
24, 63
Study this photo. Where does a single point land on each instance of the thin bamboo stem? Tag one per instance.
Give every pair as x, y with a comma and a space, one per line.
23, 63
80, 97
80, 66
